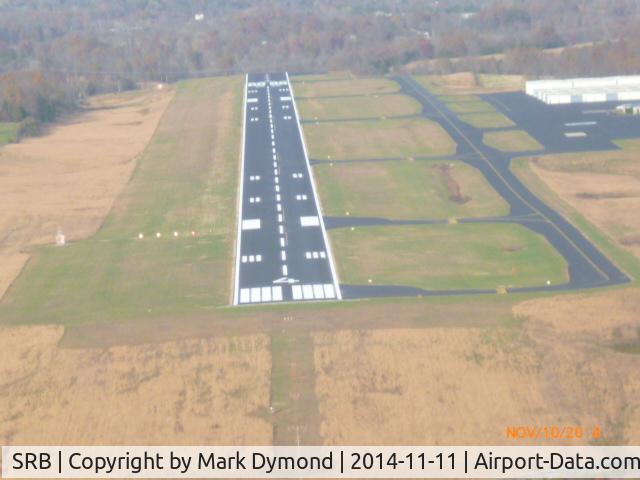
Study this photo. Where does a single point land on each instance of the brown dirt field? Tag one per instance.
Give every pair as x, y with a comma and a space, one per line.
70, 177
205, 391
609, 200
464, 383
455, 192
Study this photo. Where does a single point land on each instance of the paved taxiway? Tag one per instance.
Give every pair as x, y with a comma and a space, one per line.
588, 266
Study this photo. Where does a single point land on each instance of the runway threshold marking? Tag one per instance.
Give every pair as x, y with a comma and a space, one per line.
515, 192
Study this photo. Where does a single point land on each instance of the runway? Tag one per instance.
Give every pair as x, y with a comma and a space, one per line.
282, 252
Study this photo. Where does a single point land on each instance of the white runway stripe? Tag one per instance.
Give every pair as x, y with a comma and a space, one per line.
251, 224
311, 221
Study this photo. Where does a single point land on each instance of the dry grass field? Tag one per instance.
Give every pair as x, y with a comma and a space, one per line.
602, 186
206, 391
512, 141
454, 385
469, 83
69, 177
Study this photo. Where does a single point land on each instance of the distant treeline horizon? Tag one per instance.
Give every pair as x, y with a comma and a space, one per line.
55, 53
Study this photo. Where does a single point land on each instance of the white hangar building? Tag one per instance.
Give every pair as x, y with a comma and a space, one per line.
585, 90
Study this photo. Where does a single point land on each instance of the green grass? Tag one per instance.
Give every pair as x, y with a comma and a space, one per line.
511, 141
464, 106
486, 120
184, 182
375, 106
8, 132
459, 256
406, 190
624, 259
631, 348
378, 139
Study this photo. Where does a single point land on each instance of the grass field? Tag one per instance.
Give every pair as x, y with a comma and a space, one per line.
384, 138
185, 182
470, 108
322, 77
145, 350
8, 132
467, 83
486, 120
447, 256
468, 104
586, 188
327, 86
512, 141
407, 190
375, 106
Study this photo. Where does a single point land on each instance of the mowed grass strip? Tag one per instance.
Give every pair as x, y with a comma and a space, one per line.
458, 256
412, 137
8, 132
185, 182
374, 106
407, 190
342, 87
486, 120
471, 108
511, 141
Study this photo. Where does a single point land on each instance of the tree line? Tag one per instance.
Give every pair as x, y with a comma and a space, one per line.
55, 53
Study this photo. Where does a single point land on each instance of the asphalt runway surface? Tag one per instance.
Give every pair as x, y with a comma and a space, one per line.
282, 254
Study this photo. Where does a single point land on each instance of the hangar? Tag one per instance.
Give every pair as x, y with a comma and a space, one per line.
585, 90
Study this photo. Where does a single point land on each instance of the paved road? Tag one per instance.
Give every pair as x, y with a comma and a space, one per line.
588, 267
282, 253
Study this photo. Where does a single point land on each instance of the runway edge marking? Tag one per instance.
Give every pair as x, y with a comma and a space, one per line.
240, 195
334, 274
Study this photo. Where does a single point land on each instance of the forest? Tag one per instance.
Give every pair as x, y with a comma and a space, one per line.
55, 53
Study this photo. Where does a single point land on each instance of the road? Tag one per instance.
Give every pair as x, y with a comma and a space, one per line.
282, 252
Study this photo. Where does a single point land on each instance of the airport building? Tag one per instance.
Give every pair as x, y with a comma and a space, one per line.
585, 90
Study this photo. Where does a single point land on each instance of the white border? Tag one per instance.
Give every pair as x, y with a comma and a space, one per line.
334, 274
236, 289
